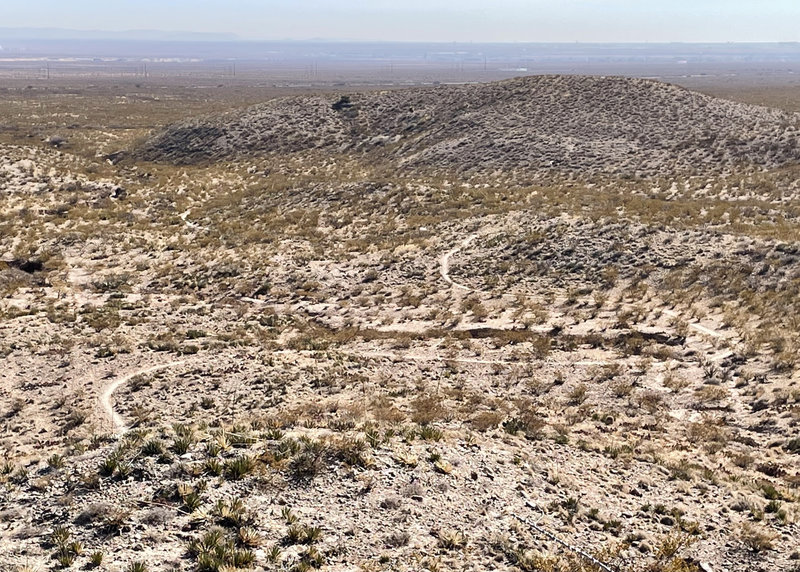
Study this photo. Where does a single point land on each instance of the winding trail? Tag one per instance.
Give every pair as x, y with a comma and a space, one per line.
116, 419
444, 270
444, 263
120, 427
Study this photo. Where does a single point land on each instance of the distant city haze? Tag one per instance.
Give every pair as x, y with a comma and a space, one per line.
427, 20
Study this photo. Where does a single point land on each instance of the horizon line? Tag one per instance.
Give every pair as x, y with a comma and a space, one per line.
230, 37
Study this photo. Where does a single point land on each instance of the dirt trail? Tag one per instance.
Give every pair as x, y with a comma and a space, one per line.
119, 425
444, 263
116, 419
444, 270
694, 325
189, 224
475, 361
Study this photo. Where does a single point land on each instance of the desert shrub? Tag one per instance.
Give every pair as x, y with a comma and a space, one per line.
756, 538
709, 395
578, 394
486, 420
708, 432
427, 408
622, 388
111, 283
351, 451
452, 540
310, 460
651, 401
527, 421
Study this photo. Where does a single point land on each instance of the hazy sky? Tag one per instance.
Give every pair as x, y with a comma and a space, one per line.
429, 20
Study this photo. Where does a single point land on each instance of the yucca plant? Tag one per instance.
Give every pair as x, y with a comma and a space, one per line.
124, 470
181, 445
222, 441
108, 466
373, 437
214, 467
301, 566
312, 534
243, 558
96, 559
310, 461
249, 537
153, 448
288, 515
56, 461
208, 542
76, 547
232, 513
352, 452
452, 540
213, 448
60, 536
192, 501
294, 534
65, 558
216, 553
312, 557
239, 467
182, 430
273, 434
274, 553
430, 433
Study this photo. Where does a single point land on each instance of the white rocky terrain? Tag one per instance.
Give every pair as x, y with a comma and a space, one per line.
513, 326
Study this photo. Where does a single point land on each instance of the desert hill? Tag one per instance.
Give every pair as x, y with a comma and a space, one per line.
568, 123
319, 348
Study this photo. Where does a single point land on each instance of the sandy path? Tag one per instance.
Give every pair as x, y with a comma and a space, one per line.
120, 426
436, 358
116, 419
444, 264
694, 325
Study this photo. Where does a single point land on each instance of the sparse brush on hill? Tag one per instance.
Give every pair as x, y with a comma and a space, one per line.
589, 125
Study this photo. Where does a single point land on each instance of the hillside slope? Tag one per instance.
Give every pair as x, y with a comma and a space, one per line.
570, 123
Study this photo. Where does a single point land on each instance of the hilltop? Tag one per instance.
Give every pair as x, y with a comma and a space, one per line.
579, 124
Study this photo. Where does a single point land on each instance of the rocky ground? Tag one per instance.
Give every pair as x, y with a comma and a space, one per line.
314, 361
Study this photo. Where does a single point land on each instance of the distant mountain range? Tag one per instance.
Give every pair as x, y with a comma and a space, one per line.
506, 57
7, 34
